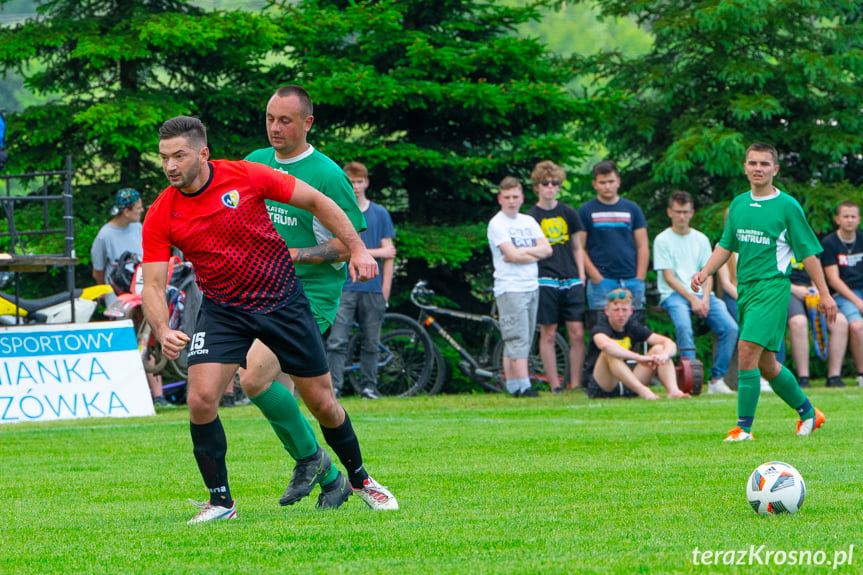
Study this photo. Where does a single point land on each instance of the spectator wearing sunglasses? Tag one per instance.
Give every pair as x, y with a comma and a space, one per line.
517, 244
561, 276
613, 341
615, 240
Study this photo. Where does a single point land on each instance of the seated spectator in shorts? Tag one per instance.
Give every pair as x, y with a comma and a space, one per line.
798, 330
614, 238
612, 343
679, 252
842, 260
517, 243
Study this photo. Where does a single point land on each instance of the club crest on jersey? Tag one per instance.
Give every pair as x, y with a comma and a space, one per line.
231, 199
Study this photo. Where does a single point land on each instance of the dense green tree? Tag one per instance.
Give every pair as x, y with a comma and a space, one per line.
115, 69
723, 74
439, 98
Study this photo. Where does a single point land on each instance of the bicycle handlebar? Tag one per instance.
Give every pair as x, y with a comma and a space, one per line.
421, 295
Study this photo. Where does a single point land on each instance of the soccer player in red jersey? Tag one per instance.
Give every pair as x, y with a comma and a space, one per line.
215, 212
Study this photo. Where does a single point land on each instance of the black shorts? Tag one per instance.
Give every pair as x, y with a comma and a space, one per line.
225, 334
595, 392
560, 305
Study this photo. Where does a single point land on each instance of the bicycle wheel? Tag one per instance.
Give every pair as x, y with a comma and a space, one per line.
561, 353
406, 357
536, 371
438, 373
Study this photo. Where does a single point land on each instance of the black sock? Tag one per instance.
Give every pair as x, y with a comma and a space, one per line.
346, 446
210, 447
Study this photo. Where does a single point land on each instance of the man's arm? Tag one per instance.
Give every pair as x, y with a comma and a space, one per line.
526, 255
591, 270
361, 265
669, 348
642, 252
717, 258
614, 349
833, 279
387, 265
724, 278
700, 305
579, 255
99, 276
328, 253
156, 309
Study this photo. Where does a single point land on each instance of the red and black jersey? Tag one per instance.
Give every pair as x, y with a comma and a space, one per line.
224, 230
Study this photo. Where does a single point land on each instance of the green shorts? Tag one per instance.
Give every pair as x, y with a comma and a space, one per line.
762, 308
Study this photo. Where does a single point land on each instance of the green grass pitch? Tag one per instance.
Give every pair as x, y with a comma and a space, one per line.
486, 484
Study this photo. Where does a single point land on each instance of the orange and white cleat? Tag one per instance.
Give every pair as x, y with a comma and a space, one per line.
738, 434
807, 426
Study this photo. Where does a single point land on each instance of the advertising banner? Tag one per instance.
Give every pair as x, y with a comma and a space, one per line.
66, 371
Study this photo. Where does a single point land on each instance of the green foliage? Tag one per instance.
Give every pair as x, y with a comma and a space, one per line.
726, 74
442, 246
437, 98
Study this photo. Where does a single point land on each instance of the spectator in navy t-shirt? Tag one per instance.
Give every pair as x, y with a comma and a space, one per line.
842, 260
615, 240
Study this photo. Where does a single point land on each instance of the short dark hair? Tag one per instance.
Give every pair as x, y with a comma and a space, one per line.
186, 126
300, 92
762, 147
604, 168
847, 204
681, 198
509, 183
356, 170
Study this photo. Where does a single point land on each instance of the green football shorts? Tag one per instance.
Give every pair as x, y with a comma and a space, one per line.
762, 309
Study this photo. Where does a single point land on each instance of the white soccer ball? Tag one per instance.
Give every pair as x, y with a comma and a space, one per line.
775, 487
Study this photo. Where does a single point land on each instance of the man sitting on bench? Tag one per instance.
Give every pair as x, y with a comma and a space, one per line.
679, 252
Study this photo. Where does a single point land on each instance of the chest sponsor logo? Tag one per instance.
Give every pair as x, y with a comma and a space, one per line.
753, 237
231, 199
611, 219
522, 238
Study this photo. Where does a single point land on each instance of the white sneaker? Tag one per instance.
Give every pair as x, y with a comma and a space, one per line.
860, 381
212, 512
377, 496
765, 385
719, 386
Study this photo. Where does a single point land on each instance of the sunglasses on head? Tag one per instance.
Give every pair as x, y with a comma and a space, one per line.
618, 294
549, 182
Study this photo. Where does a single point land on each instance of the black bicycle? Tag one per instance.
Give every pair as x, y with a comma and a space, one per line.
485, 368
406, 358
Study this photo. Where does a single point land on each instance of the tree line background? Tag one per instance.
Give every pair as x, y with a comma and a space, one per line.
443, 98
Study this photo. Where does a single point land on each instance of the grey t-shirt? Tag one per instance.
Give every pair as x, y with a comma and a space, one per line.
109, 245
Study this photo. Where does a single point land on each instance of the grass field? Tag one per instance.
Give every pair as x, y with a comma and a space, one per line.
486, 484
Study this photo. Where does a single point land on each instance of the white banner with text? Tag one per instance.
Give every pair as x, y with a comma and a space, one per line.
67, 371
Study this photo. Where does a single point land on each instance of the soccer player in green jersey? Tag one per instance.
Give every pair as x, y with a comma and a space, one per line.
289, 119
766, 227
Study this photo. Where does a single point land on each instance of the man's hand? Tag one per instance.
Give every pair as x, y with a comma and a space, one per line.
701, 306
362, 266
173, 341
697, 280
828, 306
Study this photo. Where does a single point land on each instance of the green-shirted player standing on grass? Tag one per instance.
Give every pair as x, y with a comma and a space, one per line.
766, 227
289, 118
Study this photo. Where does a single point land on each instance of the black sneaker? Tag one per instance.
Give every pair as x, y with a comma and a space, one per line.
803, 382
308, 472
835, 381
162, 402
334, 494
529, 392
557, 390
369, 393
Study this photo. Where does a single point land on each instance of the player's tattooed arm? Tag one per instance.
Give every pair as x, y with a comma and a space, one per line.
330, 252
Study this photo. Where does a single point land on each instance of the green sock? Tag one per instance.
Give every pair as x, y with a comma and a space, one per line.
786, 387
748, 392
330, 476
281, 409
